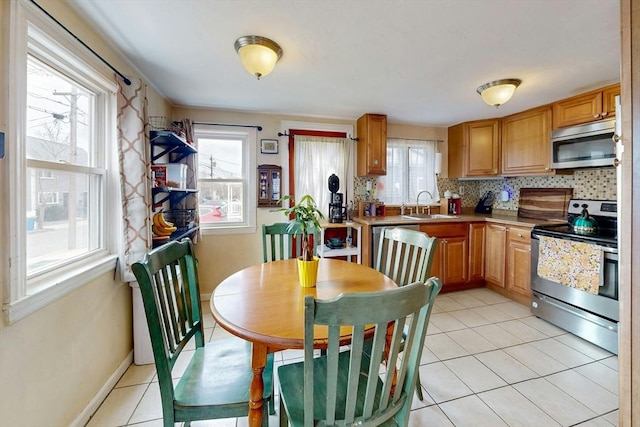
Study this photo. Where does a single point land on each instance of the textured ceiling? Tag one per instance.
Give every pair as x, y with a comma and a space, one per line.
419, 62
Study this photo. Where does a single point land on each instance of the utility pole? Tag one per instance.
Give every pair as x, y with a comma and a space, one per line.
73, 156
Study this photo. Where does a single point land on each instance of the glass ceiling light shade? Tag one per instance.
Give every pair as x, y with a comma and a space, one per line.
498, 92
258, 54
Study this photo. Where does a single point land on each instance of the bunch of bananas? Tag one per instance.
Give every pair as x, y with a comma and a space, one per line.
162, 227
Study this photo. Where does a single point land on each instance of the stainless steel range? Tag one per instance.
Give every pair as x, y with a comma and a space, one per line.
574, 272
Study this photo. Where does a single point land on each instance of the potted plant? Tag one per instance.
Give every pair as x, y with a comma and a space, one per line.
305, 220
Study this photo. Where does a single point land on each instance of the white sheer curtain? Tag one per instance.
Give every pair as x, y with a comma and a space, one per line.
410, 169
315, 159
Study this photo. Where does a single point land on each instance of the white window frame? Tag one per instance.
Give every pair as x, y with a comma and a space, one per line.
411, 192
32, 31
250, 200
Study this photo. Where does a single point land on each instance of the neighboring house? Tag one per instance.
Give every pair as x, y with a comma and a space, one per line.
49, 189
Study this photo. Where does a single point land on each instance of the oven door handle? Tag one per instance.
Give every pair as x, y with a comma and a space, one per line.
602, 266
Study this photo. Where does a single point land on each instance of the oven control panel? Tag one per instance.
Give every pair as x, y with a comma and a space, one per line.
607, 208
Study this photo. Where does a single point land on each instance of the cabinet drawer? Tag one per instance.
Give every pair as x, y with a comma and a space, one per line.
445, 229
519, 234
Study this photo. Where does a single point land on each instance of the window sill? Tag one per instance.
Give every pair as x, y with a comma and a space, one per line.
64, 284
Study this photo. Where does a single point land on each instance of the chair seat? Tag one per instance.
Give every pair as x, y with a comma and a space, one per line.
217, 378
291, 377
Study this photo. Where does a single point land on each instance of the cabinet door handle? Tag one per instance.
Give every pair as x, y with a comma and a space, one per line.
596, 116
604, 114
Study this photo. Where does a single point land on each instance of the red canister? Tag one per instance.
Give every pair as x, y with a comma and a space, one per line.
455, 206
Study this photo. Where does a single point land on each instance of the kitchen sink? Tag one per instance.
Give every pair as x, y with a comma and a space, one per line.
427, 216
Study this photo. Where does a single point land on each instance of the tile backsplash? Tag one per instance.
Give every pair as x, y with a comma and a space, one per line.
586, 183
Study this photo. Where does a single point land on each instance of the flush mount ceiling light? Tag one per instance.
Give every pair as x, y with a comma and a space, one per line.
258, 54
498, 92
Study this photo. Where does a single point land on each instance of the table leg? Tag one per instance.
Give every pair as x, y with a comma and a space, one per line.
256, 390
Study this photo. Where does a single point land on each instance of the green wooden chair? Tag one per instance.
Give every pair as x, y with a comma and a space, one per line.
406, 256
344, 388
278, 242
216, 381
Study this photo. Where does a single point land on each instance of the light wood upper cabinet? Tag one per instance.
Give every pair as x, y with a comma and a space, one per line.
372, 145
588, 107
474, 149
526, 143
609, 100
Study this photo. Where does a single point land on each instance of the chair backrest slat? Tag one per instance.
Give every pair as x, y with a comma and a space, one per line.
357, 340
374, 368
356, 393
405, 255
280, 241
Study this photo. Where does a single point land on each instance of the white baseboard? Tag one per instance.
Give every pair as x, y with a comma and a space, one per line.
83, 418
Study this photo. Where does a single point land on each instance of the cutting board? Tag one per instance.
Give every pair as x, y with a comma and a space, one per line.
544, 203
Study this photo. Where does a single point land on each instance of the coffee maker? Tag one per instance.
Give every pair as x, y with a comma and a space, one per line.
336, 201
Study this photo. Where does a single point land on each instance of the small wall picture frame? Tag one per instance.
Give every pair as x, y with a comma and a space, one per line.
269, 146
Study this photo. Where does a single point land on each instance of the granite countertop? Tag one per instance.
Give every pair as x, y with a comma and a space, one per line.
502, 216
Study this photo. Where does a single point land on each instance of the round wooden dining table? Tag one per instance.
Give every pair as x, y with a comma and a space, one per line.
264, 304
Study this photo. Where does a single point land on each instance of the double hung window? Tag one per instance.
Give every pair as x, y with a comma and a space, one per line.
61, 139
410, 170
226, 177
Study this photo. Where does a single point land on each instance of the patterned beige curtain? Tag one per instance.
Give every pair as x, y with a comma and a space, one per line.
135, 176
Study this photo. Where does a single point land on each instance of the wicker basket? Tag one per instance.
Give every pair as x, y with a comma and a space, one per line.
181, 218
157, 123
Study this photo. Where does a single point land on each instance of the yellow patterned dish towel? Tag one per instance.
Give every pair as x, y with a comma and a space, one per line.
573, 264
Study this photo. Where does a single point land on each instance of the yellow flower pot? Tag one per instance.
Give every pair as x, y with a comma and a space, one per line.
308, 272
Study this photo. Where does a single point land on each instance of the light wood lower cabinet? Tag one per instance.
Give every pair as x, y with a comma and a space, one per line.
495, 254
450, 262
476, 251
508, 261
519, 261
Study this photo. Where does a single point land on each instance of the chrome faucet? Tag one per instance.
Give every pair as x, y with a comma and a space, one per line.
418, 202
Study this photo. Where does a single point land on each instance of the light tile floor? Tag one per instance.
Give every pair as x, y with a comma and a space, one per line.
487, 362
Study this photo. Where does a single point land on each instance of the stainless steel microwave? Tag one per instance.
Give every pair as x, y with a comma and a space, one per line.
584, 146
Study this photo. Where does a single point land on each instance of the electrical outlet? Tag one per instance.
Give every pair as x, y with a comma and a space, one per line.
461, 190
